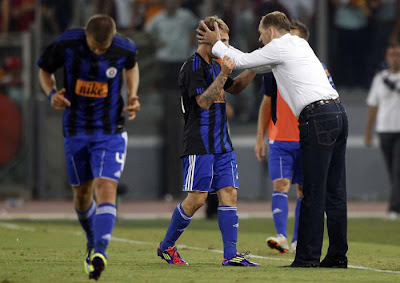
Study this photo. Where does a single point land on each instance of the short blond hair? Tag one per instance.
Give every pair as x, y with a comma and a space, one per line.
277, 20
209, 21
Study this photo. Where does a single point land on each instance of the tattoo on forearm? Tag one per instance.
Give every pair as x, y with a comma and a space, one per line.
213, 92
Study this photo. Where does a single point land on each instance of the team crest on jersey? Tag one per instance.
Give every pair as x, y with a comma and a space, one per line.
111, 72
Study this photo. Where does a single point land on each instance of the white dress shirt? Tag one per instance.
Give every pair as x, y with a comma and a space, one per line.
299, 74
387, 100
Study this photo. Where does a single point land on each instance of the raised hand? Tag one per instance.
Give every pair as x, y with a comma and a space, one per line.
208, 36
227, 66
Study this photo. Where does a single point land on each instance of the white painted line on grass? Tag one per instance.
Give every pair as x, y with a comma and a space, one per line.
129, 241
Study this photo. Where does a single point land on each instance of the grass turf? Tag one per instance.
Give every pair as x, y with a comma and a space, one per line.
53, 251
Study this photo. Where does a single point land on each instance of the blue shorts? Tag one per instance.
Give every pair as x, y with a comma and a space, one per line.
285, 161
210, 172
90, 157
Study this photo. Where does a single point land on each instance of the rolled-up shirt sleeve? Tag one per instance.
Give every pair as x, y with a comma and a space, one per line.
264, 58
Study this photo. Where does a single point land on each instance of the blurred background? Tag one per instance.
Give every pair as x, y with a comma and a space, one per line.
349, 36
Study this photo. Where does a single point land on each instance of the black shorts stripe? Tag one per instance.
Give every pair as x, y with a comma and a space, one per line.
222, 129
93, 72
76, 70
211, 118
107, 129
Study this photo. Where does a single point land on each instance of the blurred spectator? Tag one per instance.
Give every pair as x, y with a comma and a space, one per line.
263, 7
384, 16
120, 10
10, 72
56, 15
350, 22
194, 6
22, 14
4, 16
16, 15
145, 10
384, 107
173, 33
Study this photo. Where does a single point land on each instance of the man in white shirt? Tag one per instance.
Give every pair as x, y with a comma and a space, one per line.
384, 107
323, 126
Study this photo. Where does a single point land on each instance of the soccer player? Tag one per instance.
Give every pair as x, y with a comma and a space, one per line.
323, 127
209, 161
95, 61
284, 152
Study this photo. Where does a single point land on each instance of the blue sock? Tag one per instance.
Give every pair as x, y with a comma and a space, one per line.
228, 222
87, 218
179, 221
280, 209
103, 226
296, 219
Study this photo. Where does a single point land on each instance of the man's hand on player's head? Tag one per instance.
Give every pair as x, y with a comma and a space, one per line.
133, 107
227, 66
208, 36
58, 101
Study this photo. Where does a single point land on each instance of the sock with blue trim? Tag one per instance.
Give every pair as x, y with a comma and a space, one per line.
179, 221
228, 222
296, 219
103, 226
87, 218
280, 209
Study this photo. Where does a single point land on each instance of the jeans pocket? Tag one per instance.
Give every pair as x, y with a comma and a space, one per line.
327, 130
303, 129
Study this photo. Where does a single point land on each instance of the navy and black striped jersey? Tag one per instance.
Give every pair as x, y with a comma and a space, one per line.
93, 83
205, 131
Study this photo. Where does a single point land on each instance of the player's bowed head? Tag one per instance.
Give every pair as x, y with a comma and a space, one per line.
100, 31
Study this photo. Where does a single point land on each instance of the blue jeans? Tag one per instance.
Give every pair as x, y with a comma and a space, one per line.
323, 138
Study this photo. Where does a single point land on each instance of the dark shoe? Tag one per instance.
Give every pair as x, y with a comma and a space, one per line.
298, 264
332, 263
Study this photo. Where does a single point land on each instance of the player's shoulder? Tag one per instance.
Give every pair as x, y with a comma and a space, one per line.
193, 64
123, 42
71, 35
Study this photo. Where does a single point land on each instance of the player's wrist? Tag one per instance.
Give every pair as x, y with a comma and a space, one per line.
51, 94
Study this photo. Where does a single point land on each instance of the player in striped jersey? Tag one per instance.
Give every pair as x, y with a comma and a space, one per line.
94, 60
208, 158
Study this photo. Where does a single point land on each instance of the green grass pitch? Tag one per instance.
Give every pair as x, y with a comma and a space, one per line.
52, 251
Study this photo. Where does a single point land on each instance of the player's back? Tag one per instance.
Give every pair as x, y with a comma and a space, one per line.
205, 130
92, 82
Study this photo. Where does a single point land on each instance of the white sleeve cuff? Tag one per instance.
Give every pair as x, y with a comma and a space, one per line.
219, 49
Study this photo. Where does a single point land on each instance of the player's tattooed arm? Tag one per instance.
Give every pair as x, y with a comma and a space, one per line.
215, 90
241, 82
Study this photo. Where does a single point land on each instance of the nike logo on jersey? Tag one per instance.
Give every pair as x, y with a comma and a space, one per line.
276, 210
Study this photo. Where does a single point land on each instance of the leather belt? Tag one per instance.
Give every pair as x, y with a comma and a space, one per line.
318, 103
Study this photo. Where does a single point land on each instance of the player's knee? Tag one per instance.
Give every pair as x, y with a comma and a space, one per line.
106, 190
281, 185
228, 196
194, 201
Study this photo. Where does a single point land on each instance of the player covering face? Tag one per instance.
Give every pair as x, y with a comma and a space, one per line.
208, 158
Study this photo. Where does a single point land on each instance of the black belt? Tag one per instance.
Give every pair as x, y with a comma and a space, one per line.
318, 103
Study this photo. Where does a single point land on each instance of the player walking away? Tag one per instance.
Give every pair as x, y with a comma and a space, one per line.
284, 157
95, 60
209, 161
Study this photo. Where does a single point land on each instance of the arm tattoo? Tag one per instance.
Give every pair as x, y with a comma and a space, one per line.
213, 92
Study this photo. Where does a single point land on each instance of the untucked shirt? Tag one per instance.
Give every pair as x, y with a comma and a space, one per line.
385, 94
